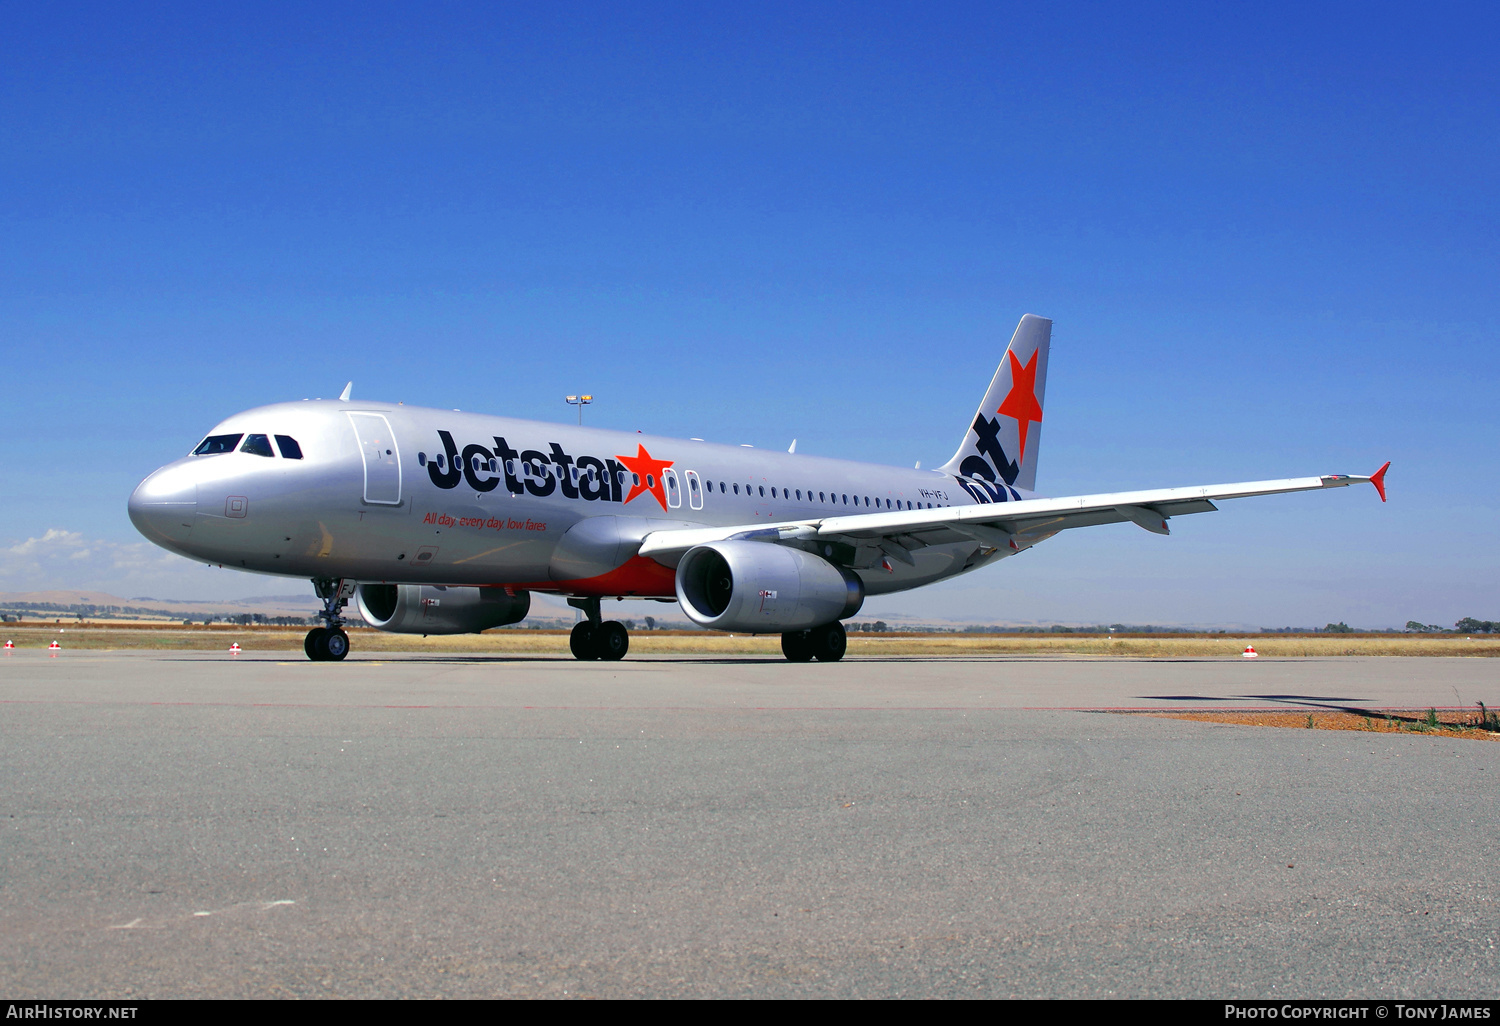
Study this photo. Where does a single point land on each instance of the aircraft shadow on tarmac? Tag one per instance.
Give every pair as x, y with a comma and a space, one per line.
1289, 699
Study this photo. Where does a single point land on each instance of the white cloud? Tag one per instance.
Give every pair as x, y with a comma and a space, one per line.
62, 559
50, 543
44, 555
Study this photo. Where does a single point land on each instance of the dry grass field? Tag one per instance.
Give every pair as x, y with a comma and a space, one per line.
116, 636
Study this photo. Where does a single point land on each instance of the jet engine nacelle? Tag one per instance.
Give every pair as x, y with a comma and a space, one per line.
434, 609
763, 587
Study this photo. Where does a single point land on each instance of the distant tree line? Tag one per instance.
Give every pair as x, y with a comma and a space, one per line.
1468, 625
247, 619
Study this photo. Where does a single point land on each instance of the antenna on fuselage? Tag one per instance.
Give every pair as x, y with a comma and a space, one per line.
344, 395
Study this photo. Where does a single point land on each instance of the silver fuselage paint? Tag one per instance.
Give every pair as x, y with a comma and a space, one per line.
364, 502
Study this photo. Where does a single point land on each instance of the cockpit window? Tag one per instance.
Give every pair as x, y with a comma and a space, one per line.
257, 445
215, 444
289, 448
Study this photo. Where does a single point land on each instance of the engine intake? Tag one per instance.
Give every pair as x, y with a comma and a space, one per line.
763, 587
434, 609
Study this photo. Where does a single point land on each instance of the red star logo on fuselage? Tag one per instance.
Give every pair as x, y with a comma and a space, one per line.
1021, 402
647, 474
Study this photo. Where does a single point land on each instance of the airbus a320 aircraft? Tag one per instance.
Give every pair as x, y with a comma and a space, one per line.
441, 522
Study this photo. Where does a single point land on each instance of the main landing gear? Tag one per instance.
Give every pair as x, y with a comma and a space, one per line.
595, 638
329, 643
825, 644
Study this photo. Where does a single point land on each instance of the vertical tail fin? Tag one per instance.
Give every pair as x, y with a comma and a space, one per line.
1002, 441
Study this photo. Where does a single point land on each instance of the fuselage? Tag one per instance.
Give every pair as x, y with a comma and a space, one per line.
396, 494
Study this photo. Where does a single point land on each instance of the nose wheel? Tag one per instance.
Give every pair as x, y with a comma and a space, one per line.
323, 644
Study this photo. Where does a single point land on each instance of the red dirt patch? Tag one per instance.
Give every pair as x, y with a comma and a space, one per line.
1450, 723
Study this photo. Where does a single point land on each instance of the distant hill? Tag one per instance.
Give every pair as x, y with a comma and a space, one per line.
99, 603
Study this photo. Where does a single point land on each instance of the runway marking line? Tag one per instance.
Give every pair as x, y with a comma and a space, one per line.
265, 906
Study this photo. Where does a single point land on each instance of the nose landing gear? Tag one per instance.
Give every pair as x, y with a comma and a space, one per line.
329, 643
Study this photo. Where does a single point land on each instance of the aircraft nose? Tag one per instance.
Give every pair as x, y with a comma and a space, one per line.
162, 506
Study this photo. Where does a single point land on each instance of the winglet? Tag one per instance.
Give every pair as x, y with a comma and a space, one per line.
1378, 479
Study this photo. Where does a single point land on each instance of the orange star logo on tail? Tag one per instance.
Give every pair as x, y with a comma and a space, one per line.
647, 473
1021, 402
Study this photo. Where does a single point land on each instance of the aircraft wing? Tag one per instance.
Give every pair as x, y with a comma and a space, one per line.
1016, 525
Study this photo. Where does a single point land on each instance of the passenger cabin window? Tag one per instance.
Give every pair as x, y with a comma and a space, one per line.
215, 444
257, 445
290, 450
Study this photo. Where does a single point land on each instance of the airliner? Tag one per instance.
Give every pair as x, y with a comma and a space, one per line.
442, 522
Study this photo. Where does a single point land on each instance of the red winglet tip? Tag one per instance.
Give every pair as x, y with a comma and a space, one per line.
1378, 479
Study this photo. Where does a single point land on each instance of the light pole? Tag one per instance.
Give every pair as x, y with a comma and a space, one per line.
579, 401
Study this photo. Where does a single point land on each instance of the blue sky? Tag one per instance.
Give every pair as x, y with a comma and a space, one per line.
1267, 236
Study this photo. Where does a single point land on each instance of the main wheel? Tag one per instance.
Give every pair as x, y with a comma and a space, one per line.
611, 640
797, 646
581, 641
829, 642
335, 645
313, 644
